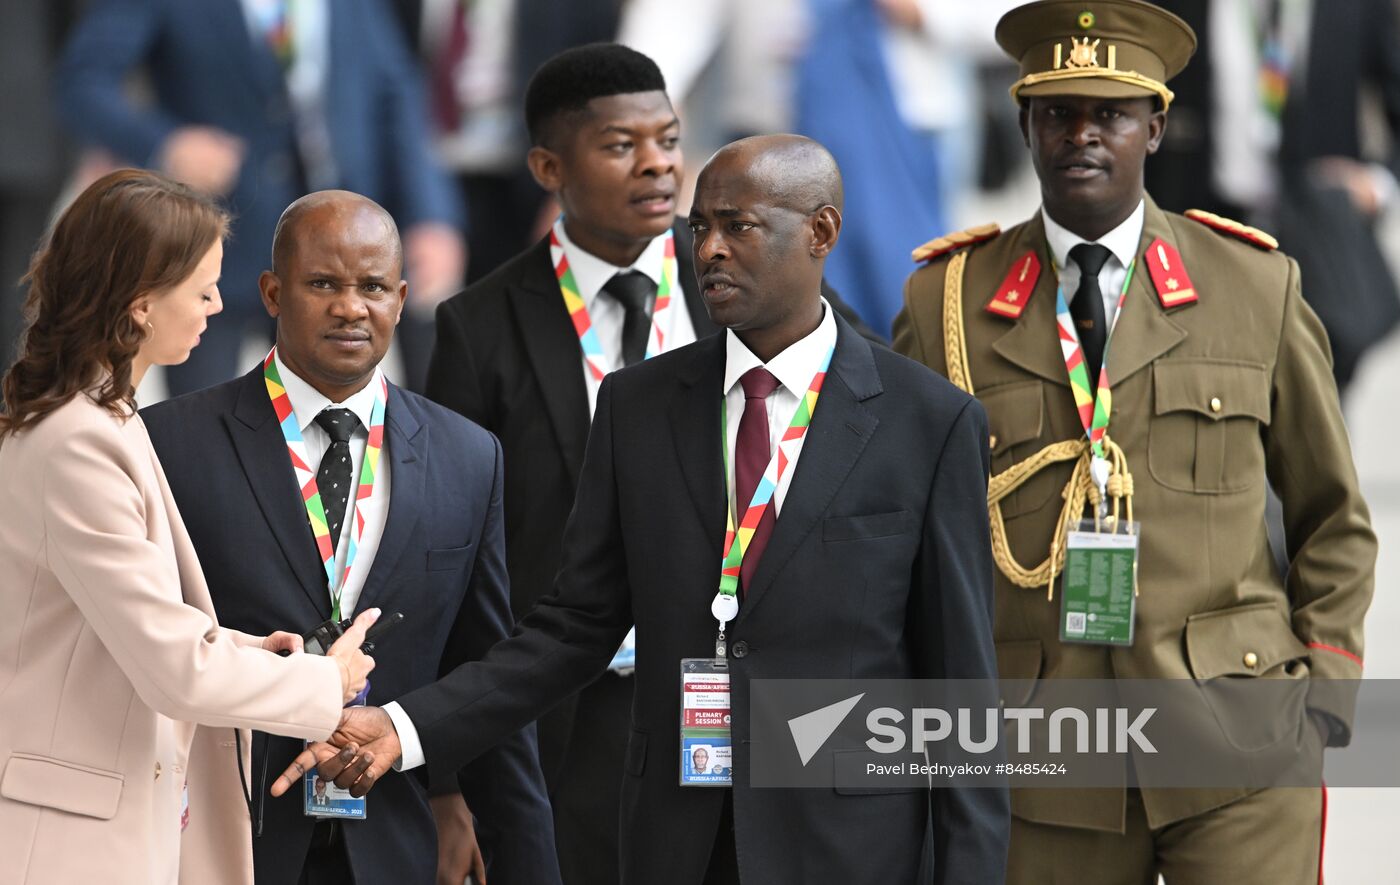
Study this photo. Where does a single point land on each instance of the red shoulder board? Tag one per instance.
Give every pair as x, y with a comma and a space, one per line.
956, 240
1169, 275
1016, 289
1244, 232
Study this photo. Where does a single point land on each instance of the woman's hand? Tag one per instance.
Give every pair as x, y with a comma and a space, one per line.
354, 664
283, 641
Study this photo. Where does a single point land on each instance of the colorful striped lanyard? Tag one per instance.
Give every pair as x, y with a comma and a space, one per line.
278, 29
306, 475
1094, 409
736, 543
578, 311
1275, 61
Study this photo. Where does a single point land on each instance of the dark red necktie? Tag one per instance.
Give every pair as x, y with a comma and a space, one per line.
444, 70
751, 455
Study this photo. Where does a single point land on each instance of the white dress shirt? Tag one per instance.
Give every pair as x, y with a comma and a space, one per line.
307, 403
1121, 242
606, 313
794, 368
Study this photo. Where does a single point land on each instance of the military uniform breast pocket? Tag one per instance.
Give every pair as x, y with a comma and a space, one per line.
1205, 434
1016, 415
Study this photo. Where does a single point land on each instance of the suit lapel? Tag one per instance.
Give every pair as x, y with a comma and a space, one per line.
1032, 341
685, 269
407, 445
1144, 331
553, 350
841, 426
695, 431
262, 453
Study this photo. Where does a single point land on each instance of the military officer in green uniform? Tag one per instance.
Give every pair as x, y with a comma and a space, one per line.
1167, 366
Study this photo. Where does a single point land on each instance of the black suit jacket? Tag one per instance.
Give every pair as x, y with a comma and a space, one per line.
439, 563
889, 495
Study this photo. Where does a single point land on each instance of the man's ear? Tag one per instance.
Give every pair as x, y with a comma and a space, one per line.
547, 168
826, 230
403, 297
1024, 117
1156, 128
271, 288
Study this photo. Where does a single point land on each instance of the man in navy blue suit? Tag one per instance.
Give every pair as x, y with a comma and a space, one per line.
311, 488
262, 101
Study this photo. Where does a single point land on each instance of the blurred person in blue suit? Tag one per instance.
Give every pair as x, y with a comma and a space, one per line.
260, 102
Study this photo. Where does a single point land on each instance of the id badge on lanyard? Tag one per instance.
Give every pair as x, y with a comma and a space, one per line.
705, 744
1098, 597
707, 751
321, 798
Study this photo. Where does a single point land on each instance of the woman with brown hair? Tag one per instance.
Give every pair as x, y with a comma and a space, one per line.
119, 692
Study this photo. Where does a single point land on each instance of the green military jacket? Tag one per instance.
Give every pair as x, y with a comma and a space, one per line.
1213, 400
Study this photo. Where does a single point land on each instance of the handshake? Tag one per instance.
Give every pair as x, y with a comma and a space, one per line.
364, 746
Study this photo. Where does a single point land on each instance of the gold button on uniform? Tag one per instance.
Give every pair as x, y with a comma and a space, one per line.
1215, 404
992, 443
1251, 660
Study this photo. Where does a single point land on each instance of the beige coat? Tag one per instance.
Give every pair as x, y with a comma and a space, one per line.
1212, 402
109, 653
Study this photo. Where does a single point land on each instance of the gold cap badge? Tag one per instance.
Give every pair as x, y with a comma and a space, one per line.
1113, 49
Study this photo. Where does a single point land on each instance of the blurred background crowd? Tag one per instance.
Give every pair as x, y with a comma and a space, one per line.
1284, 120
1288, 119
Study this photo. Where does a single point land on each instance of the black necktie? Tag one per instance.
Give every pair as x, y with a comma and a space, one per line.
1087, 306
333, 476
632, 289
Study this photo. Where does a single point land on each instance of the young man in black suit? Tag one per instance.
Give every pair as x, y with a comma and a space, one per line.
886, 493
425, 525
511, 356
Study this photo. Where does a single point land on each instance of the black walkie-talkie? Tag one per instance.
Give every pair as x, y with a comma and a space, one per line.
319, 639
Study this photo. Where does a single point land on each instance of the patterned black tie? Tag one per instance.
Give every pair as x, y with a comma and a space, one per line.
333, 477
632, 289
1087, 307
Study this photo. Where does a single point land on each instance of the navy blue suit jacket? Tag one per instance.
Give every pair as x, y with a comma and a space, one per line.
441, 562
207, 69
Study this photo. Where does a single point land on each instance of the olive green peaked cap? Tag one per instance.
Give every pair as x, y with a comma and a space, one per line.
1100, 48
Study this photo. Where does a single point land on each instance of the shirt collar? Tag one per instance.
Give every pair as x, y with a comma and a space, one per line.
794, 367
1122, 241
591, 273
308, 402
